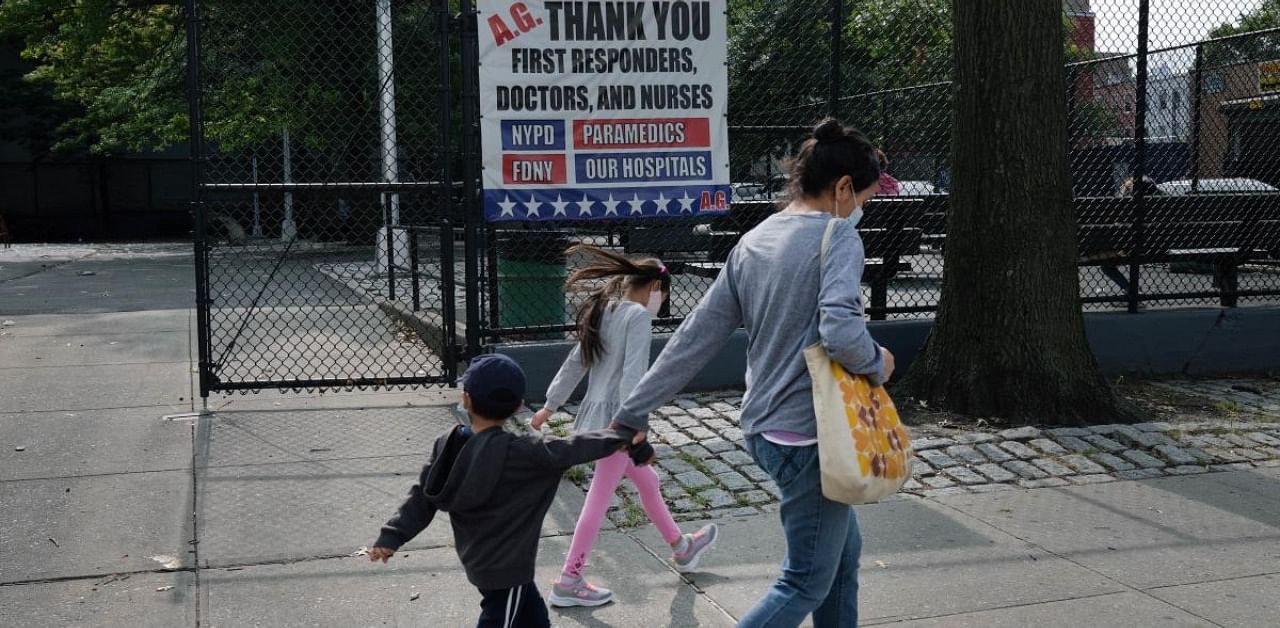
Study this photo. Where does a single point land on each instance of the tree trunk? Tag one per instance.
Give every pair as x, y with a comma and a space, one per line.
1009, 337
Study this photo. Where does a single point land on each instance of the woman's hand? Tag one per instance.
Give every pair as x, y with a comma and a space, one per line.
540, 419
889, 363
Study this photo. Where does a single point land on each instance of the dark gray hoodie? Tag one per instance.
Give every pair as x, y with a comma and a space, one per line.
497, 487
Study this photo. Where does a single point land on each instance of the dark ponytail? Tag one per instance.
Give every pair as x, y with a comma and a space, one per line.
834, 151
621, 272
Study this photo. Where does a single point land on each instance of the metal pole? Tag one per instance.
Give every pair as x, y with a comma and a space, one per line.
444, 89
1140, 158
444, 153
413, 270
473, 221
288, 229
391, 258
196, 142
491, 240
1196, 120
837, 39
257, 208
387, 105
448, 305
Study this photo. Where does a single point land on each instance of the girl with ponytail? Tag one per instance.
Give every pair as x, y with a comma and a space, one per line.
614, 334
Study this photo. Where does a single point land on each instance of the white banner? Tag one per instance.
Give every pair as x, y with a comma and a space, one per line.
598, 109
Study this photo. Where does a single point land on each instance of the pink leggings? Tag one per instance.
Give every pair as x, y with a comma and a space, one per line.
609, 472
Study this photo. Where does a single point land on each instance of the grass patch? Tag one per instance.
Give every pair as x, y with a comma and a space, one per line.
697, 497
1228, 407
577, 475
694, 462
632, 516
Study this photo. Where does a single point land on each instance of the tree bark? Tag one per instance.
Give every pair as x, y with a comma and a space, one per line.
1009, 338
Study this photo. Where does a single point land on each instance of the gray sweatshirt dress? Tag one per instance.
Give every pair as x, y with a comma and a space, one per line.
626, 332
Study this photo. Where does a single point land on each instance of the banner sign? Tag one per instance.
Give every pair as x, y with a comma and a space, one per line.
598, 109
1269, 77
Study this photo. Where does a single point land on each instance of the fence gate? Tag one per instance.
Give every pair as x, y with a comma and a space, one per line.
322, 144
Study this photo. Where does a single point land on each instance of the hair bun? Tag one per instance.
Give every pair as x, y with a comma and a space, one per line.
829, 130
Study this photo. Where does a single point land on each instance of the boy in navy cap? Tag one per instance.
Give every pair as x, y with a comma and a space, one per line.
497, 487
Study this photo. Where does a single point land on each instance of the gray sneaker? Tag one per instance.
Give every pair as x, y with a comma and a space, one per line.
698, 544
580, 593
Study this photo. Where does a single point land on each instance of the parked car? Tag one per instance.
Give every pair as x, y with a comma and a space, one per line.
748, 192
1183, 187
917, 188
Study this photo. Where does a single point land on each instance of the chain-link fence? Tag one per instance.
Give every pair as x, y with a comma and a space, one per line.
340, 172
1176, 94
324, 136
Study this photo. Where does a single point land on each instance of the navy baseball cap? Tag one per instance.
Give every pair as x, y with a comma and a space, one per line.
496, 385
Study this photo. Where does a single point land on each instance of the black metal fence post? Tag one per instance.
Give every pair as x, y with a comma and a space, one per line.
196, 143
1197, 92
415, 288
1139, 159
471, 208
491, 277
448, 303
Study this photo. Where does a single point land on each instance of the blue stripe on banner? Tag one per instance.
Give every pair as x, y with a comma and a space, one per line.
605, 203
641, 167
533, 135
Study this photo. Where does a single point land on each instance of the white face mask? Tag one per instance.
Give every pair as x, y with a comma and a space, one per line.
655, 303
855, 216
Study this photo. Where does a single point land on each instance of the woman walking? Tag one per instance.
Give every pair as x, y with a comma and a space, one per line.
614, 334
772, 285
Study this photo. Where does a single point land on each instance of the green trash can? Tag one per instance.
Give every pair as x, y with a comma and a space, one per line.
531, 278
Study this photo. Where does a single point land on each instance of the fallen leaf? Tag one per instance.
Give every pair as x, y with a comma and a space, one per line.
167, 561
414, 597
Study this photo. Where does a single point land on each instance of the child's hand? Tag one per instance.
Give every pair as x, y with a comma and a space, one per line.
540, 419
642, 454
381, 553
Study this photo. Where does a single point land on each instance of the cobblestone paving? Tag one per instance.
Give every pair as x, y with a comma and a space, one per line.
706, 471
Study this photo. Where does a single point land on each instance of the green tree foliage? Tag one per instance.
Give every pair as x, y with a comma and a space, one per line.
120, 62
1247, 49
309, 65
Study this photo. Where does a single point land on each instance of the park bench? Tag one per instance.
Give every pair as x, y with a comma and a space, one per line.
890, 231
1223, 232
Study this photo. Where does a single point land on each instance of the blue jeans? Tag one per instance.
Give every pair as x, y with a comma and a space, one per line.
820, 571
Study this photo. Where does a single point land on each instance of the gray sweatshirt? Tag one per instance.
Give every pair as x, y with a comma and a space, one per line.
770, 285
626, 331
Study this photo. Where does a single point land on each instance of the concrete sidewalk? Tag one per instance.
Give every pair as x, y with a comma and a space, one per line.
117, 513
